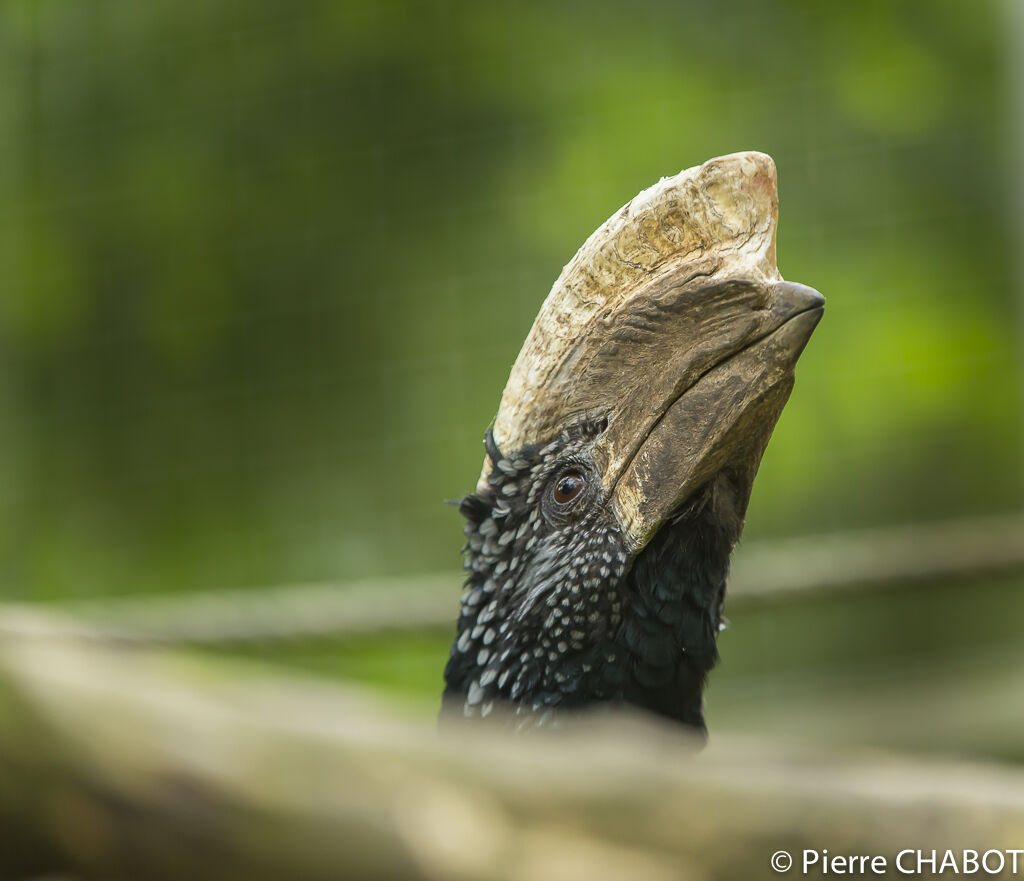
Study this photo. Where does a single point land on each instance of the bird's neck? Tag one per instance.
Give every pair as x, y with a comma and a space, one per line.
586, 629
674, 610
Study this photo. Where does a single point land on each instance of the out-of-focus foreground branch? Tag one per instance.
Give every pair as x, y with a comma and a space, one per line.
118, 763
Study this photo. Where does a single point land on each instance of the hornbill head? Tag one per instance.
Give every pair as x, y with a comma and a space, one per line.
620, 463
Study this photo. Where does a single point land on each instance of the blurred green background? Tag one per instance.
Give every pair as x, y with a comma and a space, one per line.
264, 267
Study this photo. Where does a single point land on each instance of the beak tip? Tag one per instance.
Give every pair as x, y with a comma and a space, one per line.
799, 297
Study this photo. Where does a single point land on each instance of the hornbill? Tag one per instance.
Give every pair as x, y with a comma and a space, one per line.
620, 463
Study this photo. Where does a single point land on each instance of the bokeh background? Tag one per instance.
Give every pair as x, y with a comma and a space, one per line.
264, 267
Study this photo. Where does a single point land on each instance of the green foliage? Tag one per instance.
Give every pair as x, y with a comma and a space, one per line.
265, 266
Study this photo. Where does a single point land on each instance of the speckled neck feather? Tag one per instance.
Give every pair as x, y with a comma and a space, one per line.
557, 616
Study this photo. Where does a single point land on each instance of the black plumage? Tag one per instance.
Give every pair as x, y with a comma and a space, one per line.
623, 455
556, 616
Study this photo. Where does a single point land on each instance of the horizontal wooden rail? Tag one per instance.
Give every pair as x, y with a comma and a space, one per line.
762, 571
121, 762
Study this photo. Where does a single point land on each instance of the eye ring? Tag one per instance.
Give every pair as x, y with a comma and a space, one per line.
569, 487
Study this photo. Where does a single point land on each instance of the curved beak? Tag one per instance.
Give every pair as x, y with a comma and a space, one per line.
671, 438
673, 324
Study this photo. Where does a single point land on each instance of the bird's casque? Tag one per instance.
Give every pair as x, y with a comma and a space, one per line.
620, 465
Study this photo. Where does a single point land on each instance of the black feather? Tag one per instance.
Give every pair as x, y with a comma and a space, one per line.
559, 616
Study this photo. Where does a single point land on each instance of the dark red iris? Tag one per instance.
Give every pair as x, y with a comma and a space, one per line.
568, 487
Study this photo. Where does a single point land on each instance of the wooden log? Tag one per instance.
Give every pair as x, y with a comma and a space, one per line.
765, 571
119, 763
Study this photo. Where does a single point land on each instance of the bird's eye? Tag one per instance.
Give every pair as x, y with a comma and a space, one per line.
569, 486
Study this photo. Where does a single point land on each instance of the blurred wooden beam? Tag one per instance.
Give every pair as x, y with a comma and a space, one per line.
762, 572
878, 557
118, 762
